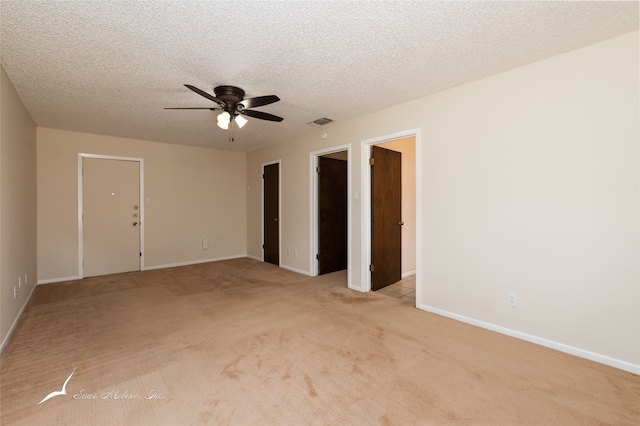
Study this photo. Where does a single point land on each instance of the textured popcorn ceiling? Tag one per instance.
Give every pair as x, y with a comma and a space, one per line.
110, 67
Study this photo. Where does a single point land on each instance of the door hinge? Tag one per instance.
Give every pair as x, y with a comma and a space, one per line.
371, 161
318, 169
371, 268
263, 247
317, 257
263, 176
140, 254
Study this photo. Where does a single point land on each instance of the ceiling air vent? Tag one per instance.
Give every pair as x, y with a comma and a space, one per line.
321, 121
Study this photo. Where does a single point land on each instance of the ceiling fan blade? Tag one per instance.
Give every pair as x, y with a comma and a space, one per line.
205, 94
259, 101
261, 115
212, 109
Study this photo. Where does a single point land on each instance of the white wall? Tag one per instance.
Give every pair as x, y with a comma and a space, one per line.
17, 207
529, 184
531, 180
195, 193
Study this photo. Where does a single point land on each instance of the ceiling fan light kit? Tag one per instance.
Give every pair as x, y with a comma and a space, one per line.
230, 100
240, 121
224, 118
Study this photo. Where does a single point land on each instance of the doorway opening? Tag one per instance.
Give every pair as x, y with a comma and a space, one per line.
271, 213
331, 212
408, 143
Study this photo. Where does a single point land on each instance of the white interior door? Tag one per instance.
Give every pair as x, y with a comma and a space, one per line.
111, 216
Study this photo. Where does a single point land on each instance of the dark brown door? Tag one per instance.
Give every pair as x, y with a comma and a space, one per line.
332, 215
386, 217
271, 247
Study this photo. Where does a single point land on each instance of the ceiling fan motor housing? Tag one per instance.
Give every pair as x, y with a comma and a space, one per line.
230, 95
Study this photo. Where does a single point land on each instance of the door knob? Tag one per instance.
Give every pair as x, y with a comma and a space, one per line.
401, 223
135, 223
276, 219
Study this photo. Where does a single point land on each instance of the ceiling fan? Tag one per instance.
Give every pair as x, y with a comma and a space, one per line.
230, 100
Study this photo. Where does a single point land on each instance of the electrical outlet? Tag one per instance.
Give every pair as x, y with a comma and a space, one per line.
205, 243
15, 292
213, 245
512, 299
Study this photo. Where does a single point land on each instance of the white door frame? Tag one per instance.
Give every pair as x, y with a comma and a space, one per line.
313, 207
269, 163
365, 189
82, 156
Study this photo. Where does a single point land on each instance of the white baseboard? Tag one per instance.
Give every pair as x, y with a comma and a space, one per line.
299, 271
582, 353
58, 280
289, 268
173, 265
192, 262
408, 274
16, 321
148, 268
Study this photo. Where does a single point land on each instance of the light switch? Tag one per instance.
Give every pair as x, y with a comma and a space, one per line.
205, 244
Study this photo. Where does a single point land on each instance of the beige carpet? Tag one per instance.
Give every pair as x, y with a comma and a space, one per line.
242, 342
